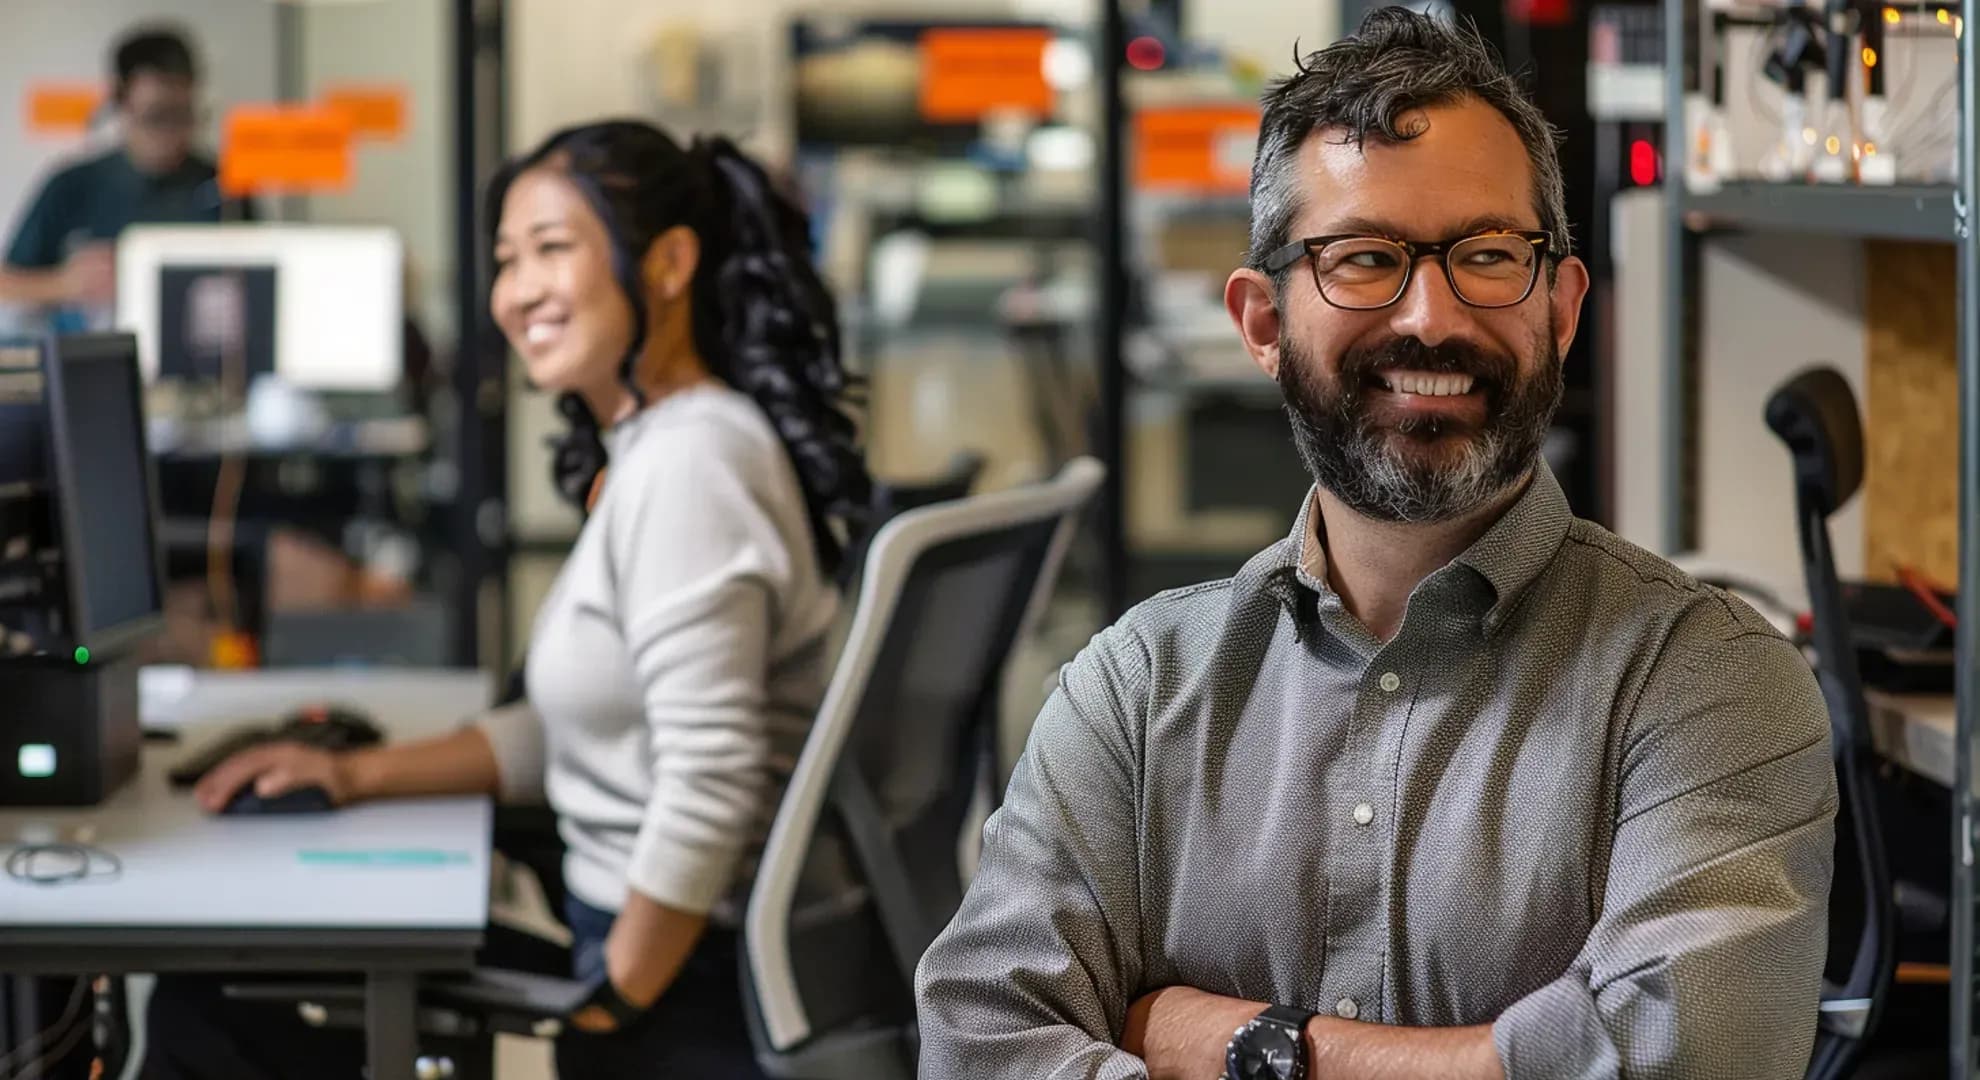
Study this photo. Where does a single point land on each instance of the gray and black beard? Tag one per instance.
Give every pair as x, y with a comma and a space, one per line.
1376, 470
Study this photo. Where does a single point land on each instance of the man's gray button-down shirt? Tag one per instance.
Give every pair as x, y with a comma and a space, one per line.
1578, 795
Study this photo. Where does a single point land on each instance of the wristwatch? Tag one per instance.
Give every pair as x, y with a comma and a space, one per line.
1271, 1046
607, 997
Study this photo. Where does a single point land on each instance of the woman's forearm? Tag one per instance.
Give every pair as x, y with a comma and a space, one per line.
33, 287
458, 763
647, 946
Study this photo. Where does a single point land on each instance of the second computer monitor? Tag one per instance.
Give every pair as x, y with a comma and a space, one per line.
322, 306
104, 491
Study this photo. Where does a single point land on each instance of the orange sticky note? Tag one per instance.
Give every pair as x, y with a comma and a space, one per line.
376, 112
62, 108
1201, 148
285, 148
968, 72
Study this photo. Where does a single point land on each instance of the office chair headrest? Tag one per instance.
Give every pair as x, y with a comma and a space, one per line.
1814, 413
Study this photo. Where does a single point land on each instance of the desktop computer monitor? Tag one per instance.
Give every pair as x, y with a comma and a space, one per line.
104, 490
321, 306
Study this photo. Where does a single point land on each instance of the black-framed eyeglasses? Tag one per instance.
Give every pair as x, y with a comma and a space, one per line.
1361, 273
169, 119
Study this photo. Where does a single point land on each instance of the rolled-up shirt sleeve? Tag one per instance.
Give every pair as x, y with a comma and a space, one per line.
1706, 960
1034, 976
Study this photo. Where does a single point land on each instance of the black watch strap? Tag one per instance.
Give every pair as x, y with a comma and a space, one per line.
606, 996
1290, 1015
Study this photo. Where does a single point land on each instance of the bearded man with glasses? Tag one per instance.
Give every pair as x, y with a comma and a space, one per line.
1448, 783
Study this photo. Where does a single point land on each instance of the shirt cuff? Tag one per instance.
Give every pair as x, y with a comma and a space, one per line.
515, 735
1556, 1033
686, 877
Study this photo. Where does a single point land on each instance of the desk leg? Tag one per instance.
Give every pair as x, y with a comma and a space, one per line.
391, 1030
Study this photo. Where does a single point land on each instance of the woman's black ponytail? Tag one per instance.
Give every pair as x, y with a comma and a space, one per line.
766, 323
763, 320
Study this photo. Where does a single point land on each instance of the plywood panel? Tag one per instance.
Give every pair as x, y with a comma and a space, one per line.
1911, 490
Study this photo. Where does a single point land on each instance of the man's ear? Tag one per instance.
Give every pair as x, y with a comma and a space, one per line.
1569, 287
670, 262
1250, 298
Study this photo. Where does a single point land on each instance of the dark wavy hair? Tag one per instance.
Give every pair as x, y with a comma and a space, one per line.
157, 48
763, 320
1365, 85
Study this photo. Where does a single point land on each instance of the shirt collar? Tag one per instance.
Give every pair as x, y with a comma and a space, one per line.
1520, 546
1509, 557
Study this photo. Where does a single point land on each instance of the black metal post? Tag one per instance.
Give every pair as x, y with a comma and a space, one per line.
1966, 202
477, 521
1113, 308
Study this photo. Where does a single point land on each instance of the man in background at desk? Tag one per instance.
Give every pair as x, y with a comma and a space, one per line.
62, 255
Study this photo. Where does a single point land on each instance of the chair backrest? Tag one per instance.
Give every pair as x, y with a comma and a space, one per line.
891, 500
895, 753
1815, 414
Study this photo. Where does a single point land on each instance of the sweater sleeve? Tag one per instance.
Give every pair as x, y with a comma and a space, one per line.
697, 562
515, 735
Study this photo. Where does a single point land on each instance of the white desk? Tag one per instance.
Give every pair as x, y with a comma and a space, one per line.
387, 890
1916, 731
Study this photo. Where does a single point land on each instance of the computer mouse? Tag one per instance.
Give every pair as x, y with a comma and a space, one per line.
302, 800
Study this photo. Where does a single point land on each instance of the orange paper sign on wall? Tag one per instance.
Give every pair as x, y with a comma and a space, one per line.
285, 148
376, 112
62, 108
1199, 148
967, 73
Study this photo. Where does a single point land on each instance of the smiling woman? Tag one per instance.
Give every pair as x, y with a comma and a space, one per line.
665, 295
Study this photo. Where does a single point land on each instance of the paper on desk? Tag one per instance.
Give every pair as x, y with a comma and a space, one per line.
376, 857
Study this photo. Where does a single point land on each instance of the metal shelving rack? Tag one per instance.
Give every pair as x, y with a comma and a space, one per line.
1942, 214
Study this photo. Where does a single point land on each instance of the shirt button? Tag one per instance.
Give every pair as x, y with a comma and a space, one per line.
1346, 1009
1391, 682
1363, 813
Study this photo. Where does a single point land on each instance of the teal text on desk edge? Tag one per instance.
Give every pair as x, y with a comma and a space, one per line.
383, 857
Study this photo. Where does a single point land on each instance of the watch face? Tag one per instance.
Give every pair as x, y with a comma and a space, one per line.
1264, 1051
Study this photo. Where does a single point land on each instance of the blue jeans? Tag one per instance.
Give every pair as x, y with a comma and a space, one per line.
696, 1030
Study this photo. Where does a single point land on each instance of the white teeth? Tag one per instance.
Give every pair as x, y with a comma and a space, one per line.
1410, 382
540, 333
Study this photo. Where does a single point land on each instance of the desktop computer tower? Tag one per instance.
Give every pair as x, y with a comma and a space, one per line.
69, 732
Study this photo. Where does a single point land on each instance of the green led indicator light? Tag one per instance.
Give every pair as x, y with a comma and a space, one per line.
82, 655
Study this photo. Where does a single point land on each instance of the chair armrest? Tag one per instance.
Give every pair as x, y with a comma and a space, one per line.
458, 1004
503, 995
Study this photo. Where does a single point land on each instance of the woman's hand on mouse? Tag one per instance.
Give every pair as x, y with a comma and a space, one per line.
271, 770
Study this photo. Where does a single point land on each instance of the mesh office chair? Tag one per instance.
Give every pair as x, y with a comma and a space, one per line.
1814, 413
864, 863
892, 499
